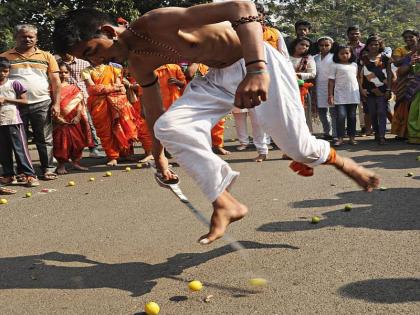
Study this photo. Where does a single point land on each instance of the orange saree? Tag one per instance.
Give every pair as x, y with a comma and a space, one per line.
113, 116
71, 132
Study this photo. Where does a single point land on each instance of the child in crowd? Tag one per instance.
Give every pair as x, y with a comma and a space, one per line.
376, 81
344, 92
326, 112
71, 132
12, 132
305, 68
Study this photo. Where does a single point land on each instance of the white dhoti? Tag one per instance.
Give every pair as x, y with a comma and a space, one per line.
185, 128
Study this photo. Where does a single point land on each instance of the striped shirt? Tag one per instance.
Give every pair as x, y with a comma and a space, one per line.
33, 72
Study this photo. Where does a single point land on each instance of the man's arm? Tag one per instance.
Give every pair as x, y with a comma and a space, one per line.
254, 88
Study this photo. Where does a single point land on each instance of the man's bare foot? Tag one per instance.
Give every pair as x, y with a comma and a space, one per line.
226, 210
112, 162
362, 176
61, 169
77, 166
221, 151
261, 158
147, 158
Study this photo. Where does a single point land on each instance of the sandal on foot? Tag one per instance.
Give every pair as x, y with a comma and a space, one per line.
7, 191
32, 181
8, 180
50, 176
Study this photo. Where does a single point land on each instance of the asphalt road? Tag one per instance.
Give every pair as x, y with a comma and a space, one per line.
110, 246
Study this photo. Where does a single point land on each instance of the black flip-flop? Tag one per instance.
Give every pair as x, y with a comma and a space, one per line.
166, 183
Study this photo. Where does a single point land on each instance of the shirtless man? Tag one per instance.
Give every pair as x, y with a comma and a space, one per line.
245, 73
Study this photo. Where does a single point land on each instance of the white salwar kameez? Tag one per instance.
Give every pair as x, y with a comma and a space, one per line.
185, 128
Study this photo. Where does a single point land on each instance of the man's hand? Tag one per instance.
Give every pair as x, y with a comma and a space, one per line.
175, 81
252, 90
56, 110
331, 100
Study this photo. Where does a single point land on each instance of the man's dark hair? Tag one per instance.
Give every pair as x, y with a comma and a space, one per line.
336, 59
303, 23
78, 25
4, 63
412, 32
353, 28
298, 40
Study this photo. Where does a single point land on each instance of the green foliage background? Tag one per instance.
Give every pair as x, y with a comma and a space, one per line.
329, 17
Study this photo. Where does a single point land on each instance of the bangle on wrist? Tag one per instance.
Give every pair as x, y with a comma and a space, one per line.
262, 71
255, 61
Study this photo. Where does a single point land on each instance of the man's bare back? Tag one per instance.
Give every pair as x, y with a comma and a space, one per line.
216, 45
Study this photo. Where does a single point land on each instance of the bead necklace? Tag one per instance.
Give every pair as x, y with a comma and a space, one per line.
156, 43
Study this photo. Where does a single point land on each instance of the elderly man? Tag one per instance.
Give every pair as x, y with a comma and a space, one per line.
37, 70
244, 73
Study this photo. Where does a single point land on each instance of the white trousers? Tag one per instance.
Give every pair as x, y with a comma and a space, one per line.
258, 135
185, 128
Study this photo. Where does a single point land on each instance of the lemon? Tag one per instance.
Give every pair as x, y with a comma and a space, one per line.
347, 207
108, 174
71, 183
127, 169
195, 285
315, 219
152, 308
28, 195
3, 201
257, 282
92, 179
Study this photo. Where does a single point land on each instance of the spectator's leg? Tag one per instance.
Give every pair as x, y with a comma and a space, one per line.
6, 156
41, 122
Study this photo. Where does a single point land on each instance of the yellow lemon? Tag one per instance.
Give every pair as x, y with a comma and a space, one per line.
257, 282
92, 179
108, 174
127, 169
139, 165
152, 308
28, 195
347, 207
315, 220
3, 201
71, 183
195, 285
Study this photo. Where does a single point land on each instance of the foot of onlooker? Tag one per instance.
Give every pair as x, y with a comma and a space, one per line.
352, 141
76, 165
221, 151
61, 169
147, 158
381, 141
112, 162
32, 181
96, 154
241, 147
49, 175
260, 158
338, 142
7, 191
8, 180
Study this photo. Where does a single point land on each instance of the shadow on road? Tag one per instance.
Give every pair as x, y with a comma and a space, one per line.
138, 278
395, 209
384, 290
392, 161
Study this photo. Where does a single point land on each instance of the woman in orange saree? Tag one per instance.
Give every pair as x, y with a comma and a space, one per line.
71, 133
113, 116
